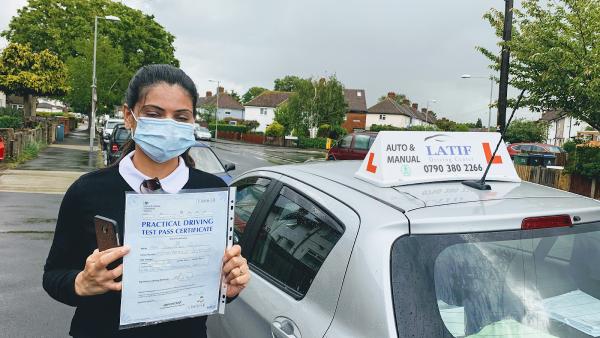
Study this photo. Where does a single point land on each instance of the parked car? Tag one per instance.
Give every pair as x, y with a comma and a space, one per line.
206, 160
107, 128
517, 148
332, 255
352, 147
2, 147
117, 139
201, 133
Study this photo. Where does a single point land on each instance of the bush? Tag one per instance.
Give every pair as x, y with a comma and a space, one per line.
382, 127
227, 127
585, 161
48, 114
571, 145
323, 130
434, 128
251, 124
11, 122
307, 142
275, 129
7, 111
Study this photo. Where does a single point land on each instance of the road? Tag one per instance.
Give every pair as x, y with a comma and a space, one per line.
29, 200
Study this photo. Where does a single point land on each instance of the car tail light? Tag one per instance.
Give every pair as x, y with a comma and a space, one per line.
546, 222
114, 148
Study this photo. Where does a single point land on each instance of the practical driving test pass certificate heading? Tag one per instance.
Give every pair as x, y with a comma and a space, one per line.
177, 241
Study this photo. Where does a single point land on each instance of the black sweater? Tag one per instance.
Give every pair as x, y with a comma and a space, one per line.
103, 193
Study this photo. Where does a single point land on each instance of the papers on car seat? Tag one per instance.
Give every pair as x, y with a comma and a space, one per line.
576, 309
453, 317
509, 328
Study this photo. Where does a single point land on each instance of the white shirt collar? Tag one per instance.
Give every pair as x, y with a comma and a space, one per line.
171, 184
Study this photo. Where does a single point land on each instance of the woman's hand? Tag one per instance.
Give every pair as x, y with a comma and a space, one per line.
95, 279
235, 270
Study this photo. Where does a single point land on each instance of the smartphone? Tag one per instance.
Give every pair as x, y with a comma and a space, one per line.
107, 236
107, 233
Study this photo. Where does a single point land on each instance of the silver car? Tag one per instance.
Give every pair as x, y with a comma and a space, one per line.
334, 256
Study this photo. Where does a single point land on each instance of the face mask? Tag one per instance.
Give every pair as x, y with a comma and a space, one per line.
163, 139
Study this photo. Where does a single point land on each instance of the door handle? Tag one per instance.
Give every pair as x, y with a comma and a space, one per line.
283, 329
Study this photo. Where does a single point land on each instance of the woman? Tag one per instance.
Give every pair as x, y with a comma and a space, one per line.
160, 112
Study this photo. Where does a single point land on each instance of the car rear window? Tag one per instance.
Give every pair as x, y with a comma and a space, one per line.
534, 283
122, 135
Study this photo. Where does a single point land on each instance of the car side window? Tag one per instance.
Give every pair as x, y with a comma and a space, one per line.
526, 147
539, 149
361, 142
294, 241
346, 142
249, 193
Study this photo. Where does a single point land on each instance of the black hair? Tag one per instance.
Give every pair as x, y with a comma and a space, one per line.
148, 76
151, 75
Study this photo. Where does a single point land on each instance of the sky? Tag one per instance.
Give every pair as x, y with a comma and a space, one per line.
417, 48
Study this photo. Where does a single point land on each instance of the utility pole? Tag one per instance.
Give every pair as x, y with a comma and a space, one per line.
505, 64
218, 82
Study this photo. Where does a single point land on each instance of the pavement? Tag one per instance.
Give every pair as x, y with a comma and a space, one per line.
30, 196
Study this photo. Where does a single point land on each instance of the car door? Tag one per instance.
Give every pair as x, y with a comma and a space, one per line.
344, 148
298, 251
360, 146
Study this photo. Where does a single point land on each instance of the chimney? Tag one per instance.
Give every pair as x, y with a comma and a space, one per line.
391, 95
208, 93
415, 106
406, 102
221, 90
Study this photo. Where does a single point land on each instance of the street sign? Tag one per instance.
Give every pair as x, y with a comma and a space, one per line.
409, 157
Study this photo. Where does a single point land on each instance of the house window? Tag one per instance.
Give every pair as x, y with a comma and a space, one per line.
227, 113
382, 117
345, 117
263, 111
359, 93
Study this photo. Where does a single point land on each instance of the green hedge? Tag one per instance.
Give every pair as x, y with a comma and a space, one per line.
228, 127
11, 122
585, 161
48, 114
306, 142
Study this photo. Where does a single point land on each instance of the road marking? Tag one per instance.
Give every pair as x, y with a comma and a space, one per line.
37, 181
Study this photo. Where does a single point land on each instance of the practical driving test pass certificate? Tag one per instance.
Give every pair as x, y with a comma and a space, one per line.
177, 241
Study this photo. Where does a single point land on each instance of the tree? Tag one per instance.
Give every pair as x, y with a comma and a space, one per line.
235, 95
399, 98
29, 74
289, 83
314, 103
208, 113
555, 55
111, 74
251, 94
445, 124
479, 124
58, 25
522, 130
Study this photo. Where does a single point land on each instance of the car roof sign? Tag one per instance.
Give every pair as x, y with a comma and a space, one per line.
409, 157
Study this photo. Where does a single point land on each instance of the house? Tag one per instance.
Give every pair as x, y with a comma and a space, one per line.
562, 127
390, 112
2, 100
15, 102
356, 117
227, 105
50, 106
262, 108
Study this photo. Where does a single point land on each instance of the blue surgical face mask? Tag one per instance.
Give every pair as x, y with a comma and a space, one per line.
163, 139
